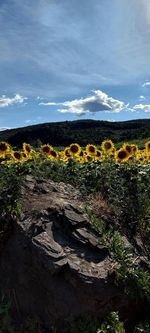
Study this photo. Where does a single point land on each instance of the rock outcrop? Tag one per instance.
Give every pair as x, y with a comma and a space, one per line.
52, 265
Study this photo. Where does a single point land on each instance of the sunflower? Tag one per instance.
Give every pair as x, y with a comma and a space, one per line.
74, 149
147, 147
107, 145
24, 155
112, 155
53, 154
45, 149
27, 149
127, 147
88, 158
98, 155
134, 149
81, 154
121, 155
148, 158
66, 152
141, 159
79, 159
4, 149
91, 150
36, 154
17, 156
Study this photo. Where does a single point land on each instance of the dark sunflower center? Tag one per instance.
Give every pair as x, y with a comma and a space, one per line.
67, 153
3, 147
81, 154
107, 145
98, 154
53, 153
91, 149
74, 149
134, 149
148, 145
122, 154
28, 149
128, 148
89, 158
17, 155
46, 149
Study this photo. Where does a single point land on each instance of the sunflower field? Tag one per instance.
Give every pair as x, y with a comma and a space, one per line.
127, 153
117, 180
121, 176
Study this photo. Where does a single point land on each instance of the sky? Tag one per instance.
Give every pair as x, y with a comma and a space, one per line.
74, 59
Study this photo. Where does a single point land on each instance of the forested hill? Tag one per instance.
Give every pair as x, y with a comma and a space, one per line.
80, 131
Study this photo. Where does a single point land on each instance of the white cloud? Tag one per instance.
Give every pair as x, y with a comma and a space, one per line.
6, 101
49, 103
4, 128
144, 107
99, 101
147, 83
142, 97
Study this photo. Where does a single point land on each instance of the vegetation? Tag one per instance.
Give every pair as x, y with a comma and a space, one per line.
111, 324
118, 177
64, 133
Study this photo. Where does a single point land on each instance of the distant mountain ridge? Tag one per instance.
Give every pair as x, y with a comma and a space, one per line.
80, 131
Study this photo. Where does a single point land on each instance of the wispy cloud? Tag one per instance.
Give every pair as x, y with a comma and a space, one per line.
142, 97
7, 101
143, 107
62, 50
97, 102
145, 84
66, 47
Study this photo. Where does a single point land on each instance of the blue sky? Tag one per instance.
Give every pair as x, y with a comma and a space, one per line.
71, 59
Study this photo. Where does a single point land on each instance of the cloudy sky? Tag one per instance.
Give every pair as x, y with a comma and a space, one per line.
71, 59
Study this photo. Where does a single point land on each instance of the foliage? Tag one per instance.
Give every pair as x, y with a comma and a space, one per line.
135, 281
5, 318
124, 185
130, 193
143, 328
31, 325
110, 324
10, 182
64, 133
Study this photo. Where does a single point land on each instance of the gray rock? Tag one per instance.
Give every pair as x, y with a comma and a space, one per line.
52, 265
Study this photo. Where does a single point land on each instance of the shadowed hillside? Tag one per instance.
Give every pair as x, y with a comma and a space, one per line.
81, 131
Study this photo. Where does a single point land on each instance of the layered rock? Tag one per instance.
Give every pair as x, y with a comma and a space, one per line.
52, 265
